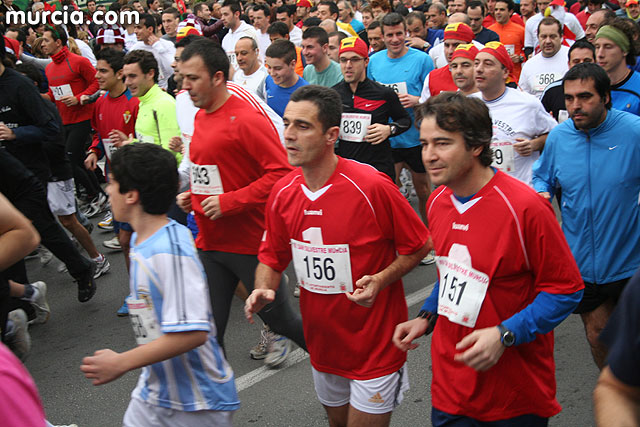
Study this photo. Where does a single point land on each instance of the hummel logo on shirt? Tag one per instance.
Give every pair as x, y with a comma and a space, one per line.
461, 227
312, 212
376, 398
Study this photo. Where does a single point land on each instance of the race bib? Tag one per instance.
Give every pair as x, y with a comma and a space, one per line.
542, 80
145, 138
143, 320
109, 148
61, 91
562, 115
323, 269
511, 48
503, 156
205, 180
462, 291
232, 59
353, 126
399, 88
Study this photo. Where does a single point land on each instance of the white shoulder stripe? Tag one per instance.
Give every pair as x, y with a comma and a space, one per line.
275, 199
434, 199
513, 212
362, 192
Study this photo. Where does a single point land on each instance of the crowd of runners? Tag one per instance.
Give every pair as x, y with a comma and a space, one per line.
222, 142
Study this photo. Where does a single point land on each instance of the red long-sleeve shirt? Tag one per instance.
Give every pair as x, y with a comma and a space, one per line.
250, 159
76, 71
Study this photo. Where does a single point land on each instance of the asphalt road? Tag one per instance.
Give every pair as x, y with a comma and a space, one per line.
282, 397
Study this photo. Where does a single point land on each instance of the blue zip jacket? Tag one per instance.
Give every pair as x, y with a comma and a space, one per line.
599, 174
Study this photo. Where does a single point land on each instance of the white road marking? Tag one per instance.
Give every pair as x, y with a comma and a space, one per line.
262, 373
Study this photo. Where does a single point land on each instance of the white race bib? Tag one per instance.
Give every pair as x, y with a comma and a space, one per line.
511, 48
61, 91
562, 115
503, 156
109, 148
145, 138
205, 180
399, 88
353, 126
462, 291
542, 80
143, 320
323, 269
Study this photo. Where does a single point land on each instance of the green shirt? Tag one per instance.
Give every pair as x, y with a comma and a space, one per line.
331, 76
157, 122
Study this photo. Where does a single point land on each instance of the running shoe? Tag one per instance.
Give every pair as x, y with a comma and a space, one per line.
429, 259
45, 255
17, 337
260, 350
102, 266
107, 222
62, 268
97, 205
279, 350
39, 303
124, 310
87, 284
112, 244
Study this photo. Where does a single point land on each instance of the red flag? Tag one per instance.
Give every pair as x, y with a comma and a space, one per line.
181, 6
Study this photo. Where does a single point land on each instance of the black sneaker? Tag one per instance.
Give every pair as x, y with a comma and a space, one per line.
87, 285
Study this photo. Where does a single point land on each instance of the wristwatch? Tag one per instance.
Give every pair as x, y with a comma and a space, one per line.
431, 318
393, 129
426, 46
507, 338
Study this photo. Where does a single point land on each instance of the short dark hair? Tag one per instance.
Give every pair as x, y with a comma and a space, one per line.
392, 19
90, 1
285, 9
582, 44
213, 56
327, 101
455, 112
278, 27
233, 5
173, 11
198, 7
264, 8
57, 33
150, 2
333, 7
374, 24
313, 21
145, 60
477, 4
317, 33
550, 20
150, 170
591, 71
341, 36
187, 40
148, 20
442, 9
31, 72
115, 58
510, 4
282, 49
416, 16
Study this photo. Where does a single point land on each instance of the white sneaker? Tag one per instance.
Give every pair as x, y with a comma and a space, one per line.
45, 255
112, 244
260, 350
62, 268
429, 259
102, 266
107, 222
39, 303
279, 350
17, 337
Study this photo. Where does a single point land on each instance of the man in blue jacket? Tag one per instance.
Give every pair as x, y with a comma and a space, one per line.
594, 159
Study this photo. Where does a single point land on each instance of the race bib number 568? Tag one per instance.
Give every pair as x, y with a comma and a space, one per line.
462, 291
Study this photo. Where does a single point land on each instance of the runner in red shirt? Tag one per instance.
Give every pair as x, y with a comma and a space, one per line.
507, 278
349, 272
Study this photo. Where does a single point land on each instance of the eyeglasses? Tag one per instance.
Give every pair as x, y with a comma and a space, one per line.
354, 61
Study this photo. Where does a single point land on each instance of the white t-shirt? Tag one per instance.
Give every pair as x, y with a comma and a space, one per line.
263, 43
437, 54
129, 40
164, 51
229, 41
86, 51
531, 28
254, 82
516, 114
539, 72
295, 36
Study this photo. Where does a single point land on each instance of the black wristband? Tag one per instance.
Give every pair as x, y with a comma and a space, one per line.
431, 318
